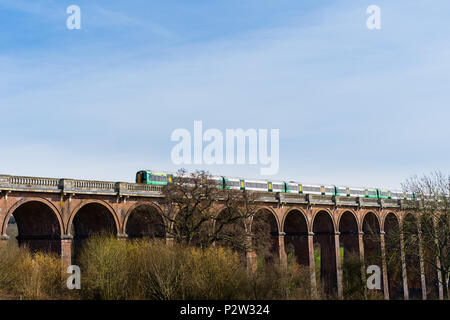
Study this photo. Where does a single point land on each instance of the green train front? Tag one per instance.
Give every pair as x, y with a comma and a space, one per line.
153, 178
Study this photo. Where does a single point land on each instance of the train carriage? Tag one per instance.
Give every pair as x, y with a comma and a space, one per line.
384, 194
164, 178
276, 186
411, 196
256, 185
234, 184
357, 192
371, 193
293, 187
312, 189
343, 191
328, 190
154, 178
398, 195
219, 181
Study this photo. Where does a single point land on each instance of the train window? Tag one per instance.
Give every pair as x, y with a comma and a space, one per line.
311, 189
256, 185
232, 183
329, 190
159, 178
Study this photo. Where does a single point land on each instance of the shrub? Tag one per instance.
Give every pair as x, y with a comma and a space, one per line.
24, 275
105, 269
214, 273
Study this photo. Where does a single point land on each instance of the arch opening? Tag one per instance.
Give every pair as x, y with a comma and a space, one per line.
35, 226
372, 244
350, 258
296, 237
325, 253
91, 219
145, 221
412, 258
230, 231
393, 257
264, 229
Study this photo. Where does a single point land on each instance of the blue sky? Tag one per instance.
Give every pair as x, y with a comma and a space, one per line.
354, 106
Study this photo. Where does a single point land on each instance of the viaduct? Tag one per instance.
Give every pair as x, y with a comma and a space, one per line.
55, 214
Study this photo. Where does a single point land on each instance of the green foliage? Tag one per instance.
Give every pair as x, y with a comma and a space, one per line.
353, 284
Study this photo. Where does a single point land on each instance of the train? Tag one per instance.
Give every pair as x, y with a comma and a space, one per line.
233, 183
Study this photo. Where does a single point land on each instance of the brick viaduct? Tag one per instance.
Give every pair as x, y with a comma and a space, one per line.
53, 214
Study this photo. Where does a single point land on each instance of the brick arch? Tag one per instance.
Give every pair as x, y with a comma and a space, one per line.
272, 212
338, 222
296, 230
406, 214
21, 202
283, 220
384, 216
100, 202
137, 205
317, 211
376, 216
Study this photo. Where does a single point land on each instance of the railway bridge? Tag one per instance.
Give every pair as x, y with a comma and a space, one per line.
55, 214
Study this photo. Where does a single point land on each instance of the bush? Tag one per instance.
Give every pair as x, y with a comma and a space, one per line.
160, 269
149, 269
214, 273
276, 281
31, 276
105, 265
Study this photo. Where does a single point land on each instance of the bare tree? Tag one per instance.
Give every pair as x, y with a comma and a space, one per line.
426, 228
200, 211
190, 207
